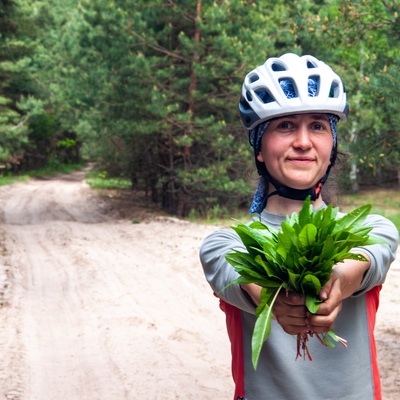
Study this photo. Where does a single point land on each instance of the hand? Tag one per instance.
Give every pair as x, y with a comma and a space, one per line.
323, 320
290, 311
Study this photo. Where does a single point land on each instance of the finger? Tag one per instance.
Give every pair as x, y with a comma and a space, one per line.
326, 290
333, 302
292, 325
293, 299
323, 323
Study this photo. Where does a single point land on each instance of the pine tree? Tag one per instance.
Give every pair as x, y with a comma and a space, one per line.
13, 83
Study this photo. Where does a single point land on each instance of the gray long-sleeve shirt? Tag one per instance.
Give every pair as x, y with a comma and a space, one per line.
340, 373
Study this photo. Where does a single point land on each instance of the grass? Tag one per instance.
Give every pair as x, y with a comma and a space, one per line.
51, 170
101, 180
97, 180
55, 169
224, 220
9, 180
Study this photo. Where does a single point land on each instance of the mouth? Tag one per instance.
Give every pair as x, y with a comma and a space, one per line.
301, 159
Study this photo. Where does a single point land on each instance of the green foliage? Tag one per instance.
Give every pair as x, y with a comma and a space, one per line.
370, 36
10, 179
102, 180
149, 89
13, 82
299, 257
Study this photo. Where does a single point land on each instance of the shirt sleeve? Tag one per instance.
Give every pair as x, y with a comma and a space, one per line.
381, 255
219, 273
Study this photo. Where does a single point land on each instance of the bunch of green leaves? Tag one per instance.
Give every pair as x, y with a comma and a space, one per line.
298, 257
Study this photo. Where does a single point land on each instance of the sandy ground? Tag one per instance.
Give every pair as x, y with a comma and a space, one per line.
95, 307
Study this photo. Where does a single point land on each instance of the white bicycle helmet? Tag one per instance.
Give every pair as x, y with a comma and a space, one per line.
264, 96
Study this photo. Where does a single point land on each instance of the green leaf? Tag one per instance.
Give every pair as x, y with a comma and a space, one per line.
244, 269
255, 236
247, 280
248, 237
310, 284
333, 336
281, 251
308, 235
374, 240
262, 330
287, 237
328, 215
269, 250
240, 260
305, 214
328, 249
262, 327
312, 303
352, 219
304, 262
294, 281
266, 297
270, 268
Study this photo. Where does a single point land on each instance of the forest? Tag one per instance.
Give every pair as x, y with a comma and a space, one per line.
148, 90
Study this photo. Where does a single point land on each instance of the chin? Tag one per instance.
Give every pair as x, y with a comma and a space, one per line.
296, 185
301, 182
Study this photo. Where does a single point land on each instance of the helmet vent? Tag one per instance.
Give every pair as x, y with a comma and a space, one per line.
264, 95
253, 78
288, 87
244, 105
310, 64
335, 90
278, 67
313, 86
249, 97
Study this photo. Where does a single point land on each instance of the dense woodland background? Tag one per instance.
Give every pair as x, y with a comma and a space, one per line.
148, 89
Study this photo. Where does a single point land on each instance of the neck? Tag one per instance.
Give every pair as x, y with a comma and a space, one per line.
283, 206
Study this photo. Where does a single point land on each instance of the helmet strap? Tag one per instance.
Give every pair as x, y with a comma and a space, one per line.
291, 193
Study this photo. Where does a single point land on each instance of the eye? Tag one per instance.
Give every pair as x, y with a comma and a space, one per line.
284, 125
316, 126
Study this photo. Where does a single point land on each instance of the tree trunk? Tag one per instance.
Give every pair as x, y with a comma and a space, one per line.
193, 78
353, 177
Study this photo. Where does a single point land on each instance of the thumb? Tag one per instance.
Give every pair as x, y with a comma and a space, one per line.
325, 291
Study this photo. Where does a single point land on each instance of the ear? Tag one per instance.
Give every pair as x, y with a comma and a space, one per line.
260, 157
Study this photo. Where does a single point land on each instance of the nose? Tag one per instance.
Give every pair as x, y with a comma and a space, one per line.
302, 138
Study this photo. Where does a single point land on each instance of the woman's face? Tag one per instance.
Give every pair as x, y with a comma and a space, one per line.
296, 149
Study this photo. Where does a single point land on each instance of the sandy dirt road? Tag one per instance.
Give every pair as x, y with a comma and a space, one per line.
95, 307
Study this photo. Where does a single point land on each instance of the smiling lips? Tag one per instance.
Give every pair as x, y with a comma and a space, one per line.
300, 159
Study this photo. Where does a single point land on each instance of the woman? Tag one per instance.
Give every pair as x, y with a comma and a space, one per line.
290, 107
